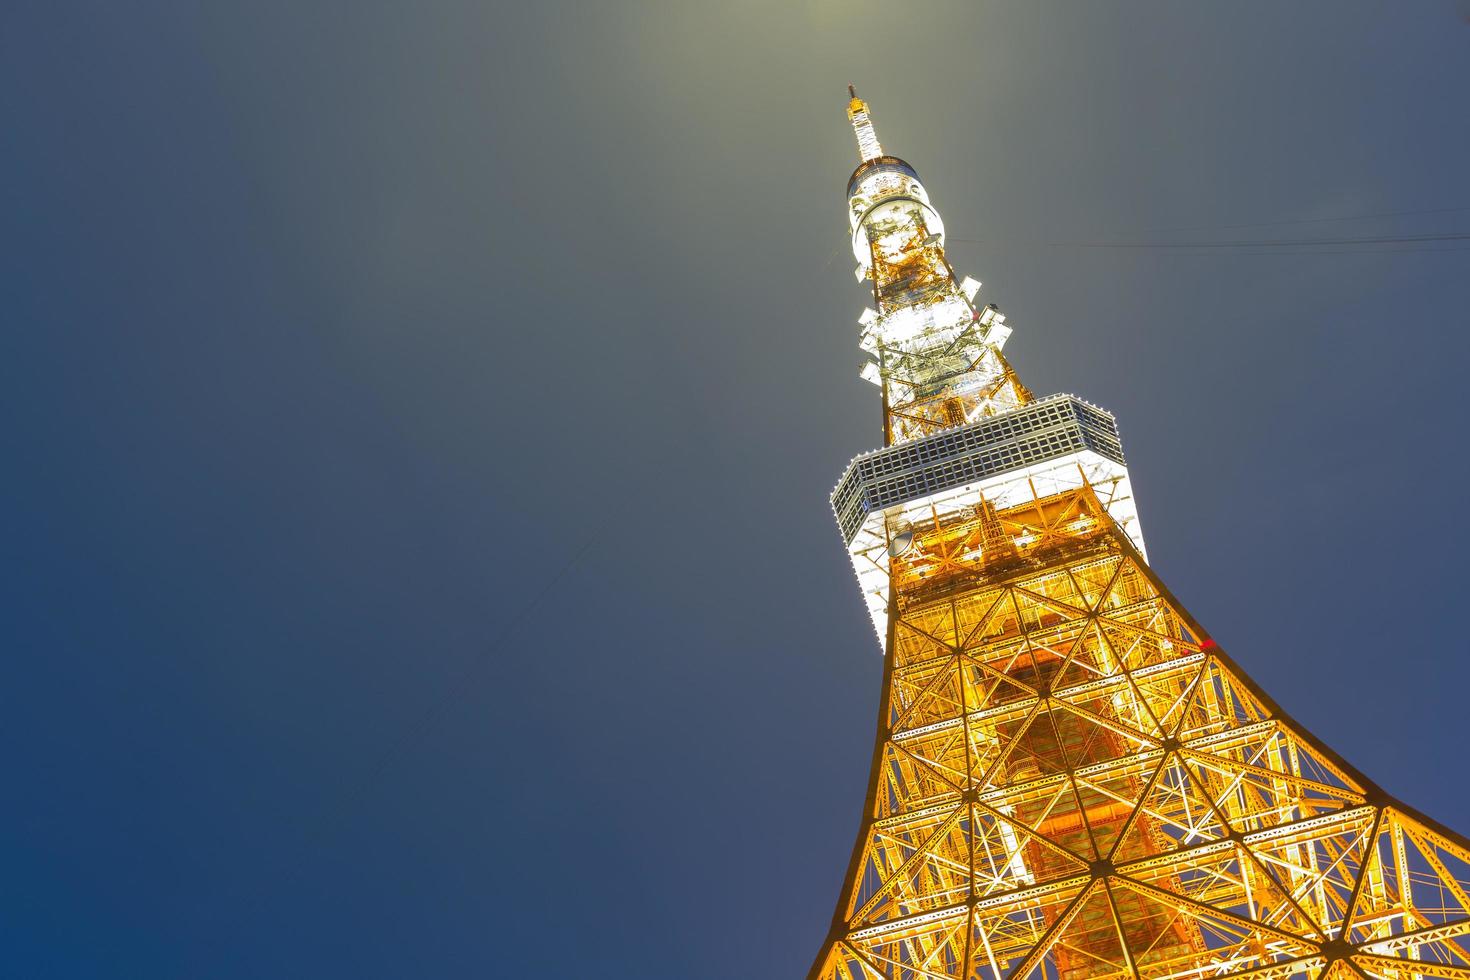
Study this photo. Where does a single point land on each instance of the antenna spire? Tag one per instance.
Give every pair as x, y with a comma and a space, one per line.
862, 126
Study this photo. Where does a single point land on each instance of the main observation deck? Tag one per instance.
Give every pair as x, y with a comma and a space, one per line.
1049, 429
1052, 444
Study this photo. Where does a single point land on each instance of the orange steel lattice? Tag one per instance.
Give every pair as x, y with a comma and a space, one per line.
1071, 780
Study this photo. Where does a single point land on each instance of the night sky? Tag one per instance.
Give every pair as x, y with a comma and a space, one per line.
419, 420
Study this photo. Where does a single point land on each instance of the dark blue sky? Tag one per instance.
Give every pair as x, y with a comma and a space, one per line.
336, 333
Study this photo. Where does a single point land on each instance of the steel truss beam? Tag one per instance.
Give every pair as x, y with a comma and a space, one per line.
1071, 780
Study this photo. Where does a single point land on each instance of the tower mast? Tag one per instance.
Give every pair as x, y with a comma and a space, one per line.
936, 356
1070, 779
857, 113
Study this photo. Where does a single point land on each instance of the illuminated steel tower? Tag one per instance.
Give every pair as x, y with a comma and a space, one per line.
1071, 780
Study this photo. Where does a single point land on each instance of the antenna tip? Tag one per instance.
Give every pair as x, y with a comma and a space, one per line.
851, 92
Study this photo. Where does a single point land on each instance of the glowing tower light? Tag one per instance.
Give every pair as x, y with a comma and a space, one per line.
1071, 780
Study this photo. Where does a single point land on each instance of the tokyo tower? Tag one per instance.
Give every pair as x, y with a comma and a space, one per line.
1071, 780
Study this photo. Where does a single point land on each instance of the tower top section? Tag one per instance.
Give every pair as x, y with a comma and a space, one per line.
935, 354
862, 126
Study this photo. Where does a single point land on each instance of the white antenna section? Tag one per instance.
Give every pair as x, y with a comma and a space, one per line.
862, 126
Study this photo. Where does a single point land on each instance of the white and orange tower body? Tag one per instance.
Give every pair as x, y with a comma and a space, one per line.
1070, 779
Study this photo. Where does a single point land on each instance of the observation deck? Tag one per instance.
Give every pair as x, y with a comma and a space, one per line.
1047, 446
1045, 430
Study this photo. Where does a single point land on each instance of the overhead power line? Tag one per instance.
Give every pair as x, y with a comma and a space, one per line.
1340, 245
1309, 221
1326, 245
1275, 242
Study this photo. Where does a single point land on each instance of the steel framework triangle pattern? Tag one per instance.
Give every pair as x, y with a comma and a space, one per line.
1072, 781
